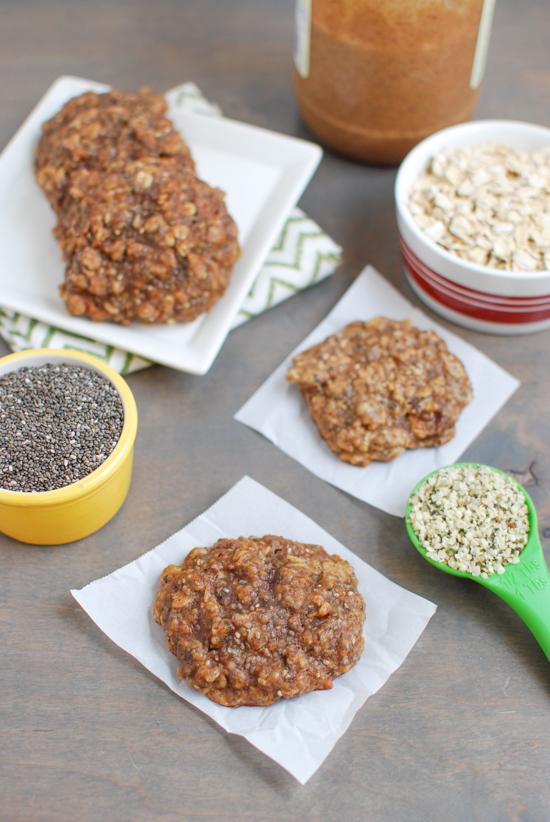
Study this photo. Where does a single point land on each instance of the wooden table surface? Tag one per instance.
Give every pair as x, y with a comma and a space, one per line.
462, 730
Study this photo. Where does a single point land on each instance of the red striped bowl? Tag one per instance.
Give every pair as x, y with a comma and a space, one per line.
486, 299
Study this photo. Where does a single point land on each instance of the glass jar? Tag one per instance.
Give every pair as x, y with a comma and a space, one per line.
374, 77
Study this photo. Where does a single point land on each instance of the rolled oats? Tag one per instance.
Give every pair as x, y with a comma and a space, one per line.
488, 204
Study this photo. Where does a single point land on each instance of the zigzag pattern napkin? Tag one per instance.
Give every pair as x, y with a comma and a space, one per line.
302, 256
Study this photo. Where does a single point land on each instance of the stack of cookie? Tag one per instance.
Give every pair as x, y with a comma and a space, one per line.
143, 238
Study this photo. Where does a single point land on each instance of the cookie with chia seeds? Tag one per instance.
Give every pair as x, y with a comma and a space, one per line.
257, 619
378, 388
145, 242
143, 238
98, 131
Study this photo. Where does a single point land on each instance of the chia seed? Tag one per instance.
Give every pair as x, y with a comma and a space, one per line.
58, 423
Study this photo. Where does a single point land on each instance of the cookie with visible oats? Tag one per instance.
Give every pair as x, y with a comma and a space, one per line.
257, 619
146, 242
99, 131
381, 387
143, 238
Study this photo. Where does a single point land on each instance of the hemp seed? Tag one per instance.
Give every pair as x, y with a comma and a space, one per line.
472, 519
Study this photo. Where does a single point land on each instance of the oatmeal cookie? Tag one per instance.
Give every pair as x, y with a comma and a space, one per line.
148, 242
98, 131
257, 619
380, 387
143, 238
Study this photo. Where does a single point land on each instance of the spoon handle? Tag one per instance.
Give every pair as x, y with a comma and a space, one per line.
526, 588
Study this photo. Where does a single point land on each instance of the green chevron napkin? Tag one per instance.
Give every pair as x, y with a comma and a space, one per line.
302, 256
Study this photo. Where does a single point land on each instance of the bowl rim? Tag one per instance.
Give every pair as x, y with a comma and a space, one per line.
90, 483
474, 127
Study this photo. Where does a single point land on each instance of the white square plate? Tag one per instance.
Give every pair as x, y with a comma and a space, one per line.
262, 173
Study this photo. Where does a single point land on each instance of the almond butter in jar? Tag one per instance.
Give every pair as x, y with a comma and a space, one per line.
374, 77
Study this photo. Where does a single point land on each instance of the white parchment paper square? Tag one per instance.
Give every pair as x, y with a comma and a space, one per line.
298, 733
278, 411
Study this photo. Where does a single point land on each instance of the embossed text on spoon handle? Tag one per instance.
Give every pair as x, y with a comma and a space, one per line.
526, 588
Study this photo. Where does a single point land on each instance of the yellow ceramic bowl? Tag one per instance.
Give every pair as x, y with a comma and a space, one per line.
77, 510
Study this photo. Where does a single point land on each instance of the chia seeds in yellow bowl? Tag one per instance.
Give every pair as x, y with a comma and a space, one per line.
68, 424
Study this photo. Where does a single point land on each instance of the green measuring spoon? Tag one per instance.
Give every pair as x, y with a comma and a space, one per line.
524, 586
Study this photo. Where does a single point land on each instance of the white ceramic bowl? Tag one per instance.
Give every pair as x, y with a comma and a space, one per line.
485, 299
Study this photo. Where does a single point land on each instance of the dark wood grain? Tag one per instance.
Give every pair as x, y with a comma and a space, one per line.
462, 730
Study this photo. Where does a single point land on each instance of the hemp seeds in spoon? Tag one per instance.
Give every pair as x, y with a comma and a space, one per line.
58, 423
471, 519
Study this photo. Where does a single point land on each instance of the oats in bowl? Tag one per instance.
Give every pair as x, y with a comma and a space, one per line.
488, 204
